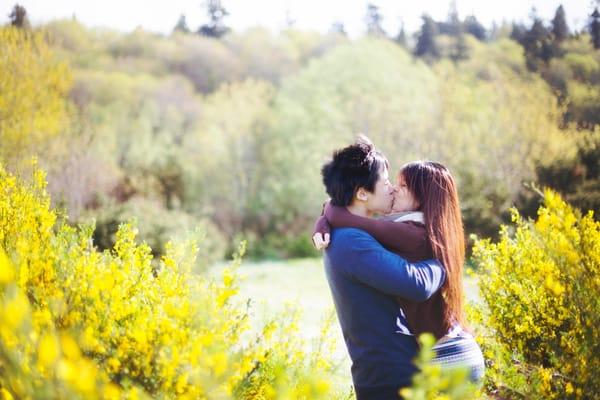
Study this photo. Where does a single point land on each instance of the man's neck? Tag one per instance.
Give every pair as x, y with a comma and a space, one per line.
359, 209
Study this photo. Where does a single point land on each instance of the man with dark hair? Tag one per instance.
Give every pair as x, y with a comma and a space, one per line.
364, 277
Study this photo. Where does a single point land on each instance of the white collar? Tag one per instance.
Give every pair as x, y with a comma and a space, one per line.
414, 216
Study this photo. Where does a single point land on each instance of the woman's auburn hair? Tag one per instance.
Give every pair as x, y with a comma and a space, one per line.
434, 188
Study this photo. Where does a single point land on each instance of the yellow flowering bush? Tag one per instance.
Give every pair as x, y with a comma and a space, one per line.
79, 323
540, 286
33, 90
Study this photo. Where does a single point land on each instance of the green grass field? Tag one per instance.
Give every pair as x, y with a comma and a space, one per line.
272, 284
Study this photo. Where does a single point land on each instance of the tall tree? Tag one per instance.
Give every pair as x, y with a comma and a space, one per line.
426, 46
338, 27
182, 25
289, 21
216, 13
594, 27
18, 17
401, 36
559, 25
475, 28
537, 43
460, 50
453, 21
518, 33
373, 20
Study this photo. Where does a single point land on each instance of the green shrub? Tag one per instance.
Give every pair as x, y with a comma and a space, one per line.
278, 245
157, 226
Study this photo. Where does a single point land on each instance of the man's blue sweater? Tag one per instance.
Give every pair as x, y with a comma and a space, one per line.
364, 277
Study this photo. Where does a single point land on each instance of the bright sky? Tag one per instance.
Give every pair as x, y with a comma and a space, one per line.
161, 16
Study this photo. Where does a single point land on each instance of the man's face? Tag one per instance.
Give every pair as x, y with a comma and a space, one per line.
382, 198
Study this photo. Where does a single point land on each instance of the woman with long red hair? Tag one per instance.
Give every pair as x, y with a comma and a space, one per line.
425, 223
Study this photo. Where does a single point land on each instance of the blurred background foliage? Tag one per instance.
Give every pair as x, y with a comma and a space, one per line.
228, 129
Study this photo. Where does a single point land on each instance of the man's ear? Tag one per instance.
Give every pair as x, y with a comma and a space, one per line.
361, 194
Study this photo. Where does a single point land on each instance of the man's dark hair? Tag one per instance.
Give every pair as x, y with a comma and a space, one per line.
351, 168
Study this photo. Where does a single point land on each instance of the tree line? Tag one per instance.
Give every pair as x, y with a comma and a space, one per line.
229, 132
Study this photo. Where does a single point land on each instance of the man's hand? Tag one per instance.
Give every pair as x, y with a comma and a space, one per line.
321, 241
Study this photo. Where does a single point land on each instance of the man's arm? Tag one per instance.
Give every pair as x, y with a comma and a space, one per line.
370, 263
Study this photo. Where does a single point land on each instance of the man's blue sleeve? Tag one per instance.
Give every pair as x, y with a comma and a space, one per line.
372, 264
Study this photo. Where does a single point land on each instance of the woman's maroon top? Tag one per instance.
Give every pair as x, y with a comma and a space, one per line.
407, 239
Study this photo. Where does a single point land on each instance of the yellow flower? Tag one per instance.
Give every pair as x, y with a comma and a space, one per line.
6, 394
219, 363
554, 285
181, 383
113, 364
7, 272
85, 380
47, 350
569, 388
14, 311
70, 348
112, 392
66, 370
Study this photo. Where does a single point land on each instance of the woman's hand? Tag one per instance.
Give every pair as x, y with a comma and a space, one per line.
321, 240
321, 236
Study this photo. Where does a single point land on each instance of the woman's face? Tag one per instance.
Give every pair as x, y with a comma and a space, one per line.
404, 200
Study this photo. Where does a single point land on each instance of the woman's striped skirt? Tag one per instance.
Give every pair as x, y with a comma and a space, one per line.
461, 351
